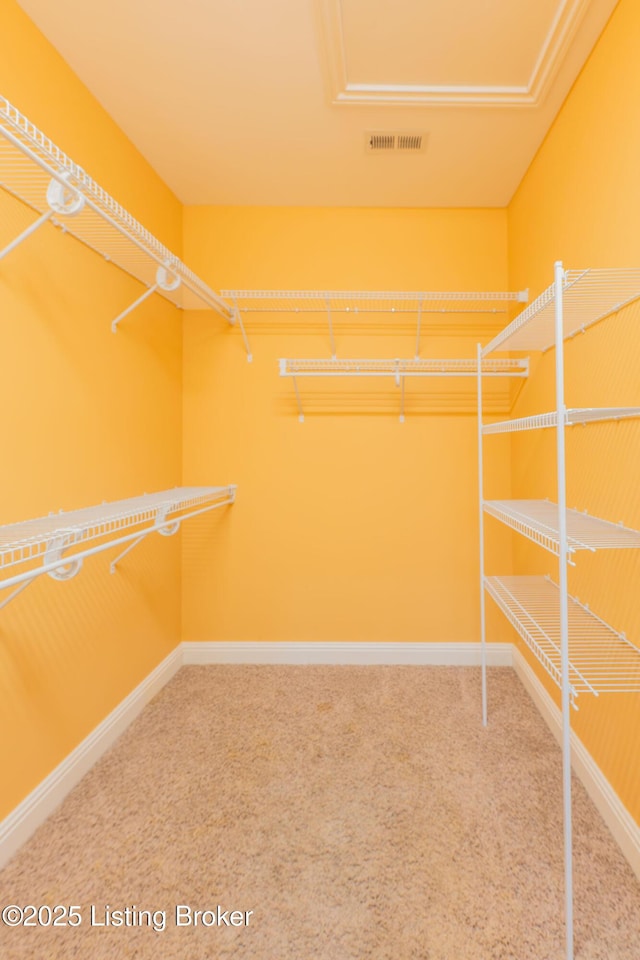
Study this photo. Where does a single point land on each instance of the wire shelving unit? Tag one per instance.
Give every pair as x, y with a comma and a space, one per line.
572, 417
399, 370
588, 296
58, 544
538, 521
601, 660
38, 173
355, 303
578, 650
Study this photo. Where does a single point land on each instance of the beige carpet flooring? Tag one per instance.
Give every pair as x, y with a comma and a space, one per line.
358, 812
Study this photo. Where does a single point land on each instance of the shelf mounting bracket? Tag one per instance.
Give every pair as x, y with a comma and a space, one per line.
61, 200
164, 281
18, 589
237, 316
164, 527
300, 410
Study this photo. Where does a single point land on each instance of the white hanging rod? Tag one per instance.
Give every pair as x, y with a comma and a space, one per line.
398, 369
54, 540
574, 416
601, 660
588, 296
37, 172
538, 521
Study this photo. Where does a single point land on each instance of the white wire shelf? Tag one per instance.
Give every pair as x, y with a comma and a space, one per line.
398, 369
42, 176
362, 301
588, 296
572, 417
402, 368
538, 521
81, 533
601, 660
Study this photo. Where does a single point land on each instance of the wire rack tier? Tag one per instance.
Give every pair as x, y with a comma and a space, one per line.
588, 296
541, 421
79, 533
402, 368
30, 163
538, 521
381, 301
601, 660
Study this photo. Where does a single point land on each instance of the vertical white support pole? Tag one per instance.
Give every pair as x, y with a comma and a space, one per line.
419, 328
483, 626
331, 337
564, 608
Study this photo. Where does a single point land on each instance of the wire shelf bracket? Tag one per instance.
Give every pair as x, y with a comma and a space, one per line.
58, 544
39, 174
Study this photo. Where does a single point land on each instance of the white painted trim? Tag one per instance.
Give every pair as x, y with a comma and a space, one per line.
622, 825
34, 810
41, 802
434, 654
554, 49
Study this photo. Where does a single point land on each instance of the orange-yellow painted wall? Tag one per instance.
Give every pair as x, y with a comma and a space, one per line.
87, 416
580, 202
350, 526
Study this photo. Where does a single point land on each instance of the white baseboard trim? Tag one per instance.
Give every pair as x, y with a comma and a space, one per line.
433, 654
35, 808
41, 802
623, 827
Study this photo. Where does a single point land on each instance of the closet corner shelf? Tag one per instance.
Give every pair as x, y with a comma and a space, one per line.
34, 170
601, 660
57, 544
588, 296
541, 421
538, 521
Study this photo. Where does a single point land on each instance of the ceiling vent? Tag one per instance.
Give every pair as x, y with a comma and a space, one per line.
377, 142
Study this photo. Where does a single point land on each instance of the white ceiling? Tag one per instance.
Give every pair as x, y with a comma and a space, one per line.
269, 101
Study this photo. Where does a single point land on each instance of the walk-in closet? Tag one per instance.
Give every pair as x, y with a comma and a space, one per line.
320, 530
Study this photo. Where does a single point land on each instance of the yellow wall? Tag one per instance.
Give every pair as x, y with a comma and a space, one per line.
580, 202
87, 416
350, 526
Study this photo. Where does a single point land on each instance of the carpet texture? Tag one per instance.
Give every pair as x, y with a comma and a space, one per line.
341, 812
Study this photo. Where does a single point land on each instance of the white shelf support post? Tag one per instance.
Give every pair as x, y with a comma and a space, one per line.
331, 337
483, 626
237, 317
419, 330
164, 281
564, 606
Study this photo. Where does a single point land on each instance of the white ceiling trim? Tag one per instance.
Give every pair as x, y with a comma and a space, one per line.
555, 46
